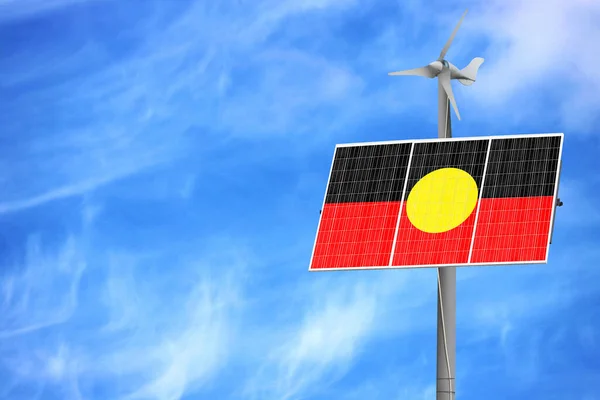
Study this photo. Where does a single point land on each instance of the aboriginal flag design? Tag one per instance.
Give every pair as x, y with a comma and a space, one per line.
444, 202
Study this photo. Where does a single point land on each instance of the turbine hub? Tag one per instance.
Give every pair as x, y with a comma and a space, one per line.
436, 66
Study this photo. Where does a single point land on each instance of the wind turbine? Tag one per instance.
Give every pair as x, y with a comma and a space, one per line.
445, 71
446, 321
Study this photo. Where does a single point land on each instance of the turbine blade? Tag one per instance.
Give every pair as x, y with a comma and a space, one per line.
421, 71
444, 78
449, 42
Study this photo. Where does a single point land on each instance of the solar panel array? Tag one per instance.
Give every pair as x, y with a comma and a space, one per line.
452, 202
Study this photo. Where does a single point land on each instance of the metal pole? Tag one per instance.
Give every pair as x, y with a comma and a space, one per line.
446, 309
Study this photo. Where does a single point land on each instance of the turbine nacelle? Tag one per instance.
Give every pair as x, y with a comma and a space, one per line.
437, 66
446, 71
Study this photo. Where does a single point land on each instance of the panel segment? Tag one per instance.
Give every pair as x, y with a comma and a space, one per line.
518, 200
415, 246
361, 207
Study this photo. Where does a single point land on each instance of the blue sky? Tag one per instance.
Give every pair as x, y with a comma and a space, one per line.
163, 163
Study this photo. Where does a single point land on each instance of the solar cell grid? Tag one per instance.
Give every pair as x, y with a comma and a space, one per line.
518, 200
441, 214
446, 202
359, 216
368, 173
522, 167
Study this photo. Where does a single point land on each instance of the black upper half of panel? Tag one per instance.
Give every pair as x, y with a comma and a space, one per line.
522, 167
517, 167
373, 173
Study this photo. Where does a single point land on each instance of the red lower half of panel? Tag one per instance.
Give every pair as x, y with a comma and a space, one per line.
355, 235
512, 229
415, 247
362, 235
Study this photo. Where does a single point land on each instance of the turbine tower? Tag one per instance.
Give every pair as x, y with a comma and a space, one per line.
446, 319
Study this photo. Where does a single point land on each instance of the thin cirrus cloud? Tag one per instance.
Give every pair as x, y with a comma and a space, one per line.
336, 320
43, 292
118, 117
55, 339
322, 346
16, 9
545, 48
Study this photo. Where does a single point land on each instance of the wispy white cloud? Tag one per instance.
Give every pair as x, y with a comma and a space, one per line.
284, 100
53, 366
515, 297
43, 291
169, 347
324, 344
56, 194
15, 9
187, 356
511, 300
124, 116
157, 347
539, 53
331, 322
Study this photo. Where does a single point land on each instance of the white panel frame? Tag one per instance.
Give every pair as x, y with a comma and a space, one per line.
412, 149
555, 199
485, 166
468, 264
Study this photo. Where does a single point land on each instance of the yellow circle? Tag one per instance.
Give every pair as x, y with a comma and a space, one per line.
442, 200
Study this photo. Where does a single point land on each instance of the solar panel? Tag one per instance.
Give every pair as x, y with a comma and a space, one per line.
439, 202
